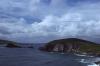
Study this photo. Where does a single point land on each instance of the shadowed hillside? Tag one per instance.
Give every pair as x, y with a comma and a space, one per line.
73, 45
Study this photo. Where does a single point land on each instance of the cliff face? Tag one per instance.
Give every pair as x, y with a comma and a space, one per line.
72, 45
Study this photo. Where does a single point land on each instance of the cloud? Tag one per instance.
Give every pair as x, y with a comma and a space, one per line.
58, 19
72, 24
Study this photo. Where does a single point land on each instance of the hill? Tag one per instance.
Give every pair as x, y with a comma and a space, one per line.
73, 45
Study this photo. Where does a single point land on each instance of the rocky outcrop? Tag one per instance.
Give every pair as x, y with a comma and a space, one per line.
72, 45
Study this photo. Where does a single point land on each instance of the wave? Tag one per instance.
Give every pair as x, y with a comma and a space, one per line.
93, 64
83, 55
80, 54
90, 61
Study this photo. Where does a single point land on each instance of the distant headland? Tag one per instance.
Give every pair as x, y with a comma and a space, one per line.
73, 45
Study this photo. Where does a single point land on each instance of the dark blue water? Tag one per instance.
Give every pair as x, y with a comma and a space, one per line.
34, 57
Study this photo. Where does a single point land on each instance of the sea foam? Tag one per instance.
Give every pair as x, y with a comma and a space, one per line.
93, 64
90, 62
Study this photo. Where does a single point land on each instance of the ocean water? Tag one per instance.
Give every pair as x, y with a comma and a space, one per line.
34, 57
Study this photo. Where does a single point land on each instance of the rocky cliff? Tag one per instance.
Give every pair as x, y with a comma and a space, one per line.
73, 45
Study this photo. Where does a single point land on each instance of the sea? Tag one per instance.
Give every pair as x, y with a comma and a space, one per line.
35, 57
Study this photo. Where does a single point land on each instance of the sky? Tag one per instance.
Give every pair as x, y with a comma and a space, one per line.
37, 21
